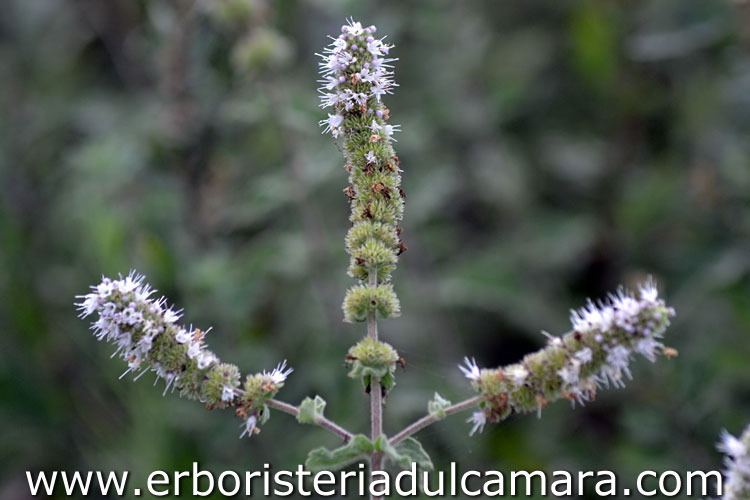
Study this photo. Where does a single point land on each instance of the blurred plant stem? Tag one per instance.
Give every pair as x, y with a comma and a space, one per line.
321, 421
431, 419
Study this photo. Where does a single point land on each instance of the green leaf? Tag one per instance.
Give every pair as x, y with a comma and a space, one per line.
311, 410
437, 406
388, 381
404, 453
324, 459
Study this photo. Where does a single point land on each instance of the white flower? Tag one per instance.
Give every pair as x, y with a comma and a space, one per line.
478, 419
517, 373
227, 393
731, 445
648, 347
171, 316
374, 47
206, 359
339, 44
619, 357
183, 336
194, 350
249, 426
353, 28
649, 293
370, 157
280, 373
332, 123
584, 355
471, 370
569, 373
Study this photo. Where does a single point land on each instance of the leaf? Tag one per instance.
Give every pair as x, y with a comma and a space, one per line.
311, 410
437, 406
388, 381
324, 459
404, 453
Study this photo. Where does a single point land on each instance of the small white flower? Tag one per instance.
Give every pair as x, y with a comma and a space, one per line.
227, 393
171, 316
648, 347
339, 44
206, 359
183, 336
517, 373
105, 288
280, 373
584, 355
374, 47
649, 293
249, 426
619, 357
471, 370
478, 419
194, 350
353, 28
731, 445
89, 305
370, 157
332, 123
569, 373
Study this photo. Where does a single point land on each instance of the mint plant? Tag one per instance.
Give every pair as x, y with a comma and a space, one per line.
357, 74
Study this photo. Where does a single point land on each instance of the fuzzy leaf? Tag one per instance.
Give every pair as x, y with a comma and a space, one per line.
404, 453
324, 459
311, 410
437, 406
388, 381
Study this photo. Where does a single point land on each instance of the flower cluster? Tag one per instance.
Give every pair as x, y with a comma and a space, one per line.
596, 353
737, 482
356, 74
372, 358
148, 338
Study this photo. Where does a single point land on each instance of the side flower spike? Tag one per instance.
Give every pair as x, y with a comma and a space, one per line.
597, 353
147, 336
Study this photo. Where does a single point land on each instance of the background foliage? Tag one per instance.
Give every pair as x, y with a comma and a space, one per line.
552, 149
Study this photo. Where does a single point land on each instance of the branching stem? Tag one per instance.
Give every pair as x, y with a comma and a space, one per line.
431, 419
322, 421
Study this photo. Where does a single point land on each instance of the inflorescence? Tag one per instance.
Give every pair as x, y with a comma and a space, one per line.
148, 338
596, 353
356, 74
737, 475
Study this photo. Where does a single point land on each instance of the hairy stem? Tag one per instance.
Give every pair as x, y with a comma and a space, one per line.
376, 395
322, 421
431, 419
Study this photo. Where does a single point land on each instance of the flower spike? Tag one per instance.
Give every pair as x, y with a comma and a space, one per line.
596, 353
147, 336
356, 74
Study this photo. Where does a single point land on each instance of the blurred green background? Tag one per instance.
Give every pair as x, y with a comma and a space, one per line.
552, 150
